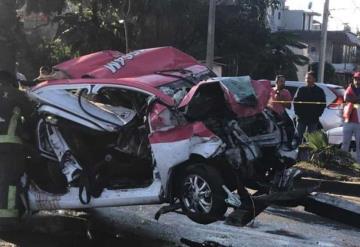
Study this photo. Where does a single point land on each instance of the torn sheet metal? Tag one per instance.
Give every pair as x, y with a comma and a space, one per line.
161, 118
114, 64
80, 66
261, 88
131, 117
175, 146
42, 200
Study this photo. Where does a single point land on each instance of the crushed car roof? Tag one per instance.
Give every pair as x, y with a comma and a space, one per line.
151, 69
144, 65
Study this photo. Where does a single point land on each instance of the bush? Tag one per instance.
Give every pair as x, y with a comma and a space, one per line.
322, 154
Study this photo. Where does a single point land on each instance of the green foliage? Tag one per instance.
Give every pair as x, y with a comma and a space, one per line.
44, 6
329, 72
8, 29
279, 56
316, 140
241, 34
242, 40
92, 26
59, 52
324, 155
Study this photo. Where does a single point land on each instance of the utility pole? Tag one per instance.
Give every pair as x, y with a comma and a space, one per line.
211, 35
323, 42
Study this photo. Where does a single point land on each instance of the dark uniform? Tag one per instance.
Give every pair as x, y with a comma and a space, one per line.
14, 104
308, 114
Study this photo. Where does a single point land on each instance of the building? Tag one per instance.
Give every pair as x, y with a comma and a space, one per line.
343, 47
284, 19
342, 50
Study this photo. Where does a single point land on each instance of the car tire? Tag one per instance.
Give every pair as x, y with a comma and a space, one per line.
201, 194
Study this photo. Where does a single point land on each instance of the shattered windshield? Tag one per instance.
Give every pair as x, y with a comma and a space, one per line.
242, 89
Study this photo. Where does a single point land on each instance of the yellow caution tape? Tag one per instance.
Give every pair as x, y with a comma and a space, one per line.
11, 135
355, 105
304, 102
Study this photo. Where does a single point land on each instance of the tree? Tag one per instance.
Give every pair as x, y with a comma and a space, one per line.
145, 23
243, 41
329, 73
8, 26
280, 58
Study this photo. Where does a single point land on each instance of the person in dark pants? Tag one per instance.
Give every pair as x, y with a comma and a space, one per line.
308, 113
280, 99
14, 105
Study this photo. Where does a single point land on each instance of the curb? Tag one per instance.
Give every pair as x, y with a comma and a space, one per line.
333, 187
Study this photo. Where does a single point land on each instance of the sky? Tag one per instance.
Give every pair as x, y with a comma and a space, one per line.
342, 11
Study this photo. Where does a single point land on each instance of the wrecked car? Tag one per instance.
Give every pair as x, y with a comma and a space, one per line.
149, 127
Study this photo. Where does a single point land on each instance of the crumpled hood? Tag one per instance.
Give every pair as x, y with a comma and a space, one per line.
244, 96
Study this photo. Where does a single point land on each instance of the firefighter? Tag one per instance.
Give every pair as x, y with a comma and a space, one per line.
14, 105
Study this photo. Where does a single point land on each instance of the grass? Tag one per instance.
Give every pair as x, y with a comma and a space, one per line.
324, 155
319, 159
330, 173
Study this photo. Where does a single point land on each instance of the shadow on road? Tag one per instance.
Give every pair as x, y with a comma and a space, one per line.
60, 231
305, 217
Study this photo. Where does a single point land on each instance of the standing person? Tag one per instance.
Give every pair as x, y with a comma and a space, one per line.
280, 93
308, 113
351, 116
13, 106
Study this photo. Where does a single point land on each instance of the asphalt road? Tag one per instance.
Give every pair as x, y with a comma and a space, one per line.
275, 227
136, 226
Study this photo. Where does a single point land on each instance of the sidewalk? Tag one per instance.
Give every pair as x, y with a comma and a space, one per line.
334, 187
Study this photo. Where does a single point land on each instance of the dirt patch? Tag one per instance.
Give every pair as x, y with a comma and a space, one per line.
330, 173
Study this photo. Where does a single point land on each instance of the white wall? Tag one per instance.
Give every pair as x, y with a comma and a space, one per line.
275, 18
285, 19
293, 20
314, 51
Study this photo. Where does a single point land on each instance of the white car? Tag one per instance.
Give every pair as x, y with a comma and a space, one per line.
332, 116
335, 137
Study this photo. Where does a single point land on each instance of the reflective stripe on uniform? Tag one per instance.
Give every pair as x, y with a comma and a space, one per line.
11, 137
11, 197
11, 210
9, 213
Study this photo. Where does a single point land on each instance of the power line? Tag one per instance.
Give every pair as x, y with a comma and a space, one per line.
355, 11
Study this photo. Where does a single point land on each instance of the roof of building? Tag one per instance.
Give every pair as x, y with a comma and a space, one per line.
307, 12
313, 13
338, 37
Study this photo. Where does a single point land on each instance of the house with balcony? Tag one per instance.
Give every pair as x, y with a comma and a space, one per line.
343, 47
342, 50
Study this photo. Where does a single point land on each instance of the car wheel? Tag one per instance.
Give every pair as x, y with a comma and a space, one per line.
201, 194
